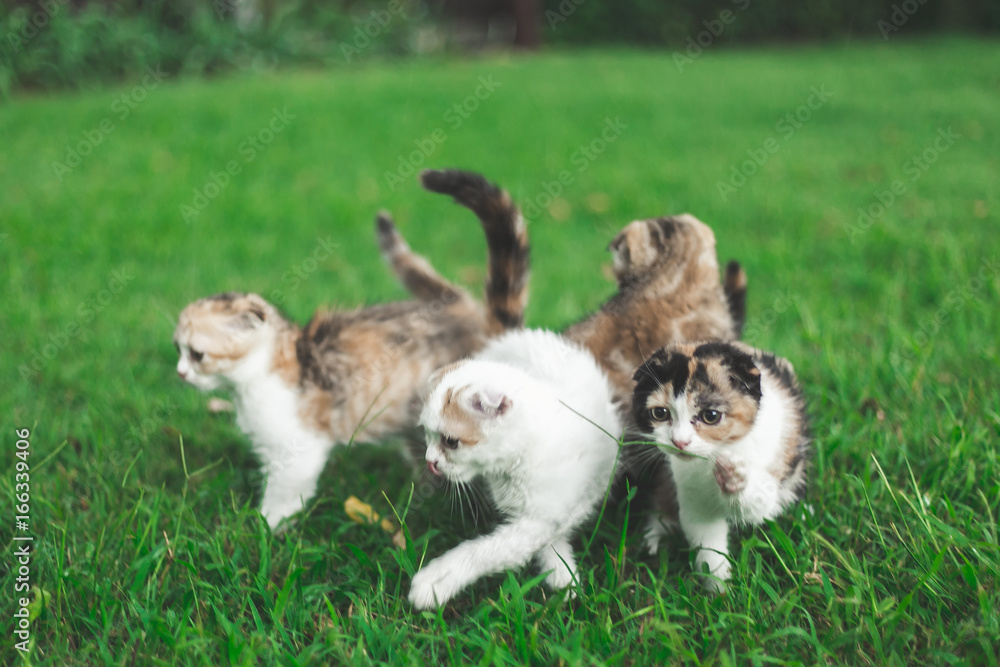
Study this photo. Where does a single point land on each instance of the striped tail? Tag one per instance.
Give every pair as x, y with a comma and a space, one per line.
506, 239
735, 287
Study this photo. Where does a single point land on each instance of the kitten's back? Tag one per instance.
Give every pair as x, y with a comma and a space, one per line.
570, 369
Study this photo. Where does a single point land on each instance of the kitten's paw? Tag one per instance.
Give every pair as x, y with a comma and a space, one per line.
656, 530
713, 584
430, 587
713, 571
731, 475
276, 513
560, 577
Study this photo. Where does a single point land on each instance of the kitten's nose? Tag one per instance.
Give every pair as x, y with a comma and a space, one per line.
681, 444
182, 374
433, 468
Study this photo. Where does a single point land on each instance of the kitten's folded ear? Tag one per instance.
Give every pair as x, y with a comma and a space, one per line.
489, 402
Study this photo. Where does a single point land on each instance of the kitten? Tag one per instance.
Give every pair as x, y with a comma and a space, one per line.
731, 423
507, 416
668, 292
351, 376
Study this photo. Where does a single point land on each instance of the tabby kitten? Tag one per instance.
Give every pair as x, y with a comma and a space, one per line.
531, 416
668, 291
351, 376
731, 422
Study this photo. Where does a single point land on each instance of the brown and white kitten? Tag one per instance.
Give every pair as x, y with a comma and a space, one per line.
731, 422
352, 376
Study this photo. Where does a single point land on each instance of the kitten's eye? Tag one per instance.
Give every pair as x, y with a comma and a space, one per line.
196, 356
710, 417
659, 414
449, 443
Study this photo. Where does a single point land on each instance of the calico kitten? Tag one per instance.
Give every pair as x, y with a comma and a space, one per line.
516, 416
731, 423
351, 376
668, 291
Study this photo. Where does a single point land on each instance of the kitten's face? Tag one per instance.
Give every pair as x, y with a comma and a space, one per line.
697, 398
215, 334
458, 418
644, 245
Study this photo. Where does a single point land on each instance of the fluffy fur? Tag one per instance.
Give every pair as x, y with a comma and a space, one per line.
731, 422
503, 417
351, 375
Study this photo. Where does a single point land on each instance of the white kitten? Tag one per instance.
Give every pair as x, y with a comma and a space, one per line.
732, 424
503, 416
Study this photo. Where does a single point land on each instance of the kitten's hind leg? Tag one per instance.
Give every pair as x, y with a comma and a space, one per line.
557, 557
657, 527
415, 272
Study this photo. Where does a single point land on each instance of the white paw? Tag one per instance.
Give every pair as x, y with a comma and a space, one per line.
430, 586
713, 585
716, 574
275, 513
560, 577
655, 531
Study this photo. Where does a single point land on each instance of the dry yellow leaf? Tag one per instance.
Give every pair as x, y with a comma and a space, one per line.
361, 512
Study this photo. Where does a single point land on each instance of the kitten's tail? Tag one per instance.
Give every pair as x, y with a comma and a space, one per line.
415, 272
506, 238
735, 287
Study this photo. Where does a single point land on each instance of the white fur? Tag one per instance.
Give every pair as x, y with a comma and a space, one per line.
546, 467
292, 454
705, 509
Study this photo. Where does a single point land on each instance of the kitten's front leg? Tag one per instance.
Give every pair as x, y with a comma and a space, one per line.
292, 472
510, 545
711, 538
557, 557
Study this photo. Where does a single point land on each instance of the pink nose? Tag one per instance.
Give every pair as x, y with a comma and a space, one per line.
433, 468
182, 374
681, 444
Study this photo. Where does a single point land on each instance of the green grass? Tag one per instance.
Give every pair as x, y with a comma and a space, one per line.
893, 560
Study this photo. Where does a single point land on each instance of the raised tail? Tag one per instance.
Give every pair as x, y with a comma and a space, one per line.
506, 239
735, 287
415, 272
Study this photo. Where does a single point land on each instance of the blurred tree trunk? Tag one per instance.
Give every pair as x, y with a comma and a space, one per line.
526, 16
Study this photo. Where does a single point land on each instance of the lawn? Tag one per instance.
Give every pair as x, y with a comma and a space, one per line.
857, 184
